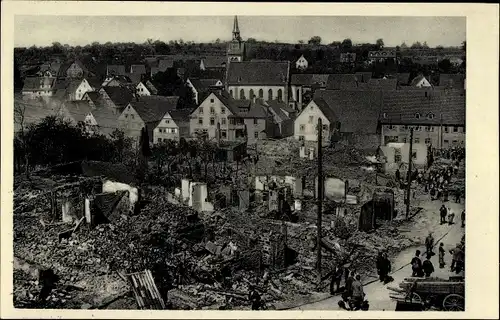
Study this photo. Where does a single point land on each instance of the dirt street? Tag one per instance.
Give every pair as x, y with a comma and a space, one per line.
376, 293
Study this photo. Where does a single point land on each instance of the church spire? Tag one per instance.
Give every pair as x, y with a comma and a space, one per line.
236, 29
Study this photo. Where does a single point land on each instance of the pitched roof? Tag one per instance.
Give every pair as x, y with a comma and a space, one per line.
452, 80
78, 109
342, 81
380, 84
327, 111
164, 64
116, 69
32, 112
135, 78
258, 73
402, 107
34, 83
357, 111
106, 119
151, 87
214, 61
417, 79
202, 85
403, 78
301, 79
278, 111
65, 66
93, 95
364, 76
120, 96
154, 108
232, 104
94, 82
138, 68
256, 110
180, 115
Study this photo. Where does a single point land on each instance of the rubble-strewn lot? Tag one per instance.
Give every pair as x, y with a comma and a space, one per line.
198, 260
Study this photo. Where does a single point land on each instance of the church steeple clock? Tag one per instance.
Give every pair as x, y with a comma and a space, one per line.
236, 48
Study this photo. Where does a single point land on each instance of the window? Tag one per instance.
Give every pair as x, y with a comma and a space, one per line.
427, 140
212, 100
418, 128
429, 128
223, 134
200, 120
302, 128
280, 95
256, 135
212, 121
270, 94
251, 94
430, 116
416, 140
242, 94
223, 121
311, 119
255, 122
222, 110
298, 94
404, 140
126, 115
201, 110
455, 141
301, 138
414, 154
325, 127
212, 110
455, 129
167, 121
261, 93
132, 116
446, 141
445, 129
417, 115
231, 121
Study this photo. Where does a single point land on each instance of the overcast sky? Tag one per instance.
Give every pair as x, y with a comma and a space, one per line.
82, 30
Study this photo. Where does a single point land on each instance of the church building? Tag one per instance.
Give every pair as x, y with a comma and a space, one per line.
236, 47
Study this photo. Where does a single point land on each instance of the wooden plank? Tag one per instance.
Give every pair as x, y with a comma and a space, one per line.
155, 289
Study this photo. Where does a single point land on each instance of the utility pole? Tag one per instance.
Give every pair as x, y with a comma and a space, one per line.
408, 190
320, 193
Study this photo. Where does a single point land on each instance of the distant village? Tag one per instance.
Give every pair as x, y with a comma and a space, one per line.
249, 100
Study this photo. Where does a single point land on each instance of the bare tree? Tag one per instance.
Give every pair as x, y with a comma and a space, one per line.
20, 119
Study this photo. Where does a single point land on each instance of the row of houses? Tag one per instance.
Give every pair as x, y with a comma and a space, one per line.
365, 118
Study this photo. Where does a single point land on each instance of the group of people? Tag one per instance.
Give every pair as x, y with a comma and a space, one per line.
352, 293
447, 216
426, 268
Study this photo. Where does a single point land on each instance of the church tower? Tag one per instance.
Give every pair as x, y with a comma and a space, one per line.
236, 48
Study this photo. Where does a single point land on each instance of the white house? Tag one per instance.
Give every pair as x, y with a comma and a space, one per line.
78, 88
420, 82
301, 63
305, 125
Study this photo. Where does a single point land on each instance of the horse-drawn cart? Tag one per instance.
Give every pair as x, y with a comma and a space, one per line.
425, 293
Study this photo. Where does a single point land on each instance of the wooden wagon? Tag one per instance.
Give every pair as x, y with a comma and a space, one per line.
425, 293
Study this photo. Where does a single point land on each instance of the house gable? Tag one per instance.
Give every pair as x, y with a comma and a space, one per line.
312, 110
142, 90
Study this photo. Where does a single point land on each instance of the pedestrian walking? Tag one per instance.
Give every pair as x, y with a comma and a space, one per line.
398, 175
255, 298
427, 266
429, 244
457, 195
439, 193
443, 212
379, 265
457, 259
462, 217
451, 216
441, 256
416, 265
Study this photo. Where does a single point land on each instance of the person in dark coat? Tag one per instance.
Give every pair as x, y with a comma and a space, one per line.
336, 278
416, 265
398, 175
427, 266
348, 286
385, 268
255, 298
441, 256
429, 243
443, 212
462, 216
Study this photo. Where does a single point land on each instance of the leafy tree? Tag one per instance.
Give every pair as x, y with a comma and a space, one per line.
404, 45
316, 40
445, 66
416, 45
380, 43
301, 41
251, 40
424, 45
346, 44
18, 81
